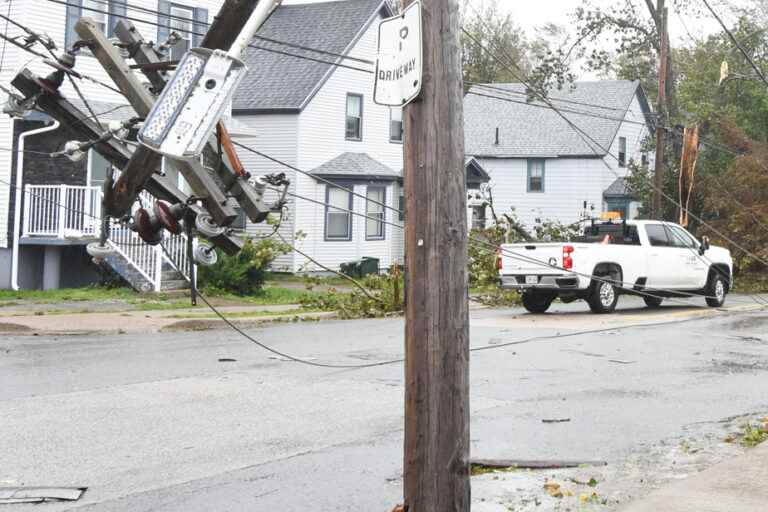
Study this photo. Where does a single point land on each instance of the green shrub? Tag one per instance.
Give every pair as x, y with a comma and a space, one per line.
245, 272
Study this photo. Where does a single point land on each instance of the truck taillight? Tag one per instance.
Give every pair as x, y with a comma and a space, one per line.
567, 259
499, 264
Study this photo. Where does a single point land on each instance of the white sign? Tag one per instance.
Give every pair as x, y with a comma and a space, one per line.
398, 63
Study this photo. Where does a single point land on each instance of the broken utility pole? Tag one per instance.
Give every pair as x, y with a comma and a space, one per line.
437, 332
661, 106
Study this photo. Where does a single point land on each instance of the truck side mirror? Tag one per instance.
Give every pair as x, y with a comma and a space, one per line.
704, 247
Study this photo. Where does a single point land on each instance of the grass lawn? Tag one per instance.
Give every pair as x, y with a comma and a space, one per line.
68, 295
270, 295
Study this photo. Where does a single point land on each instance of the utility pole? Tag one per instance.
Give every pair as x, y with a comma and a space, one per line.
661, 107
436, 320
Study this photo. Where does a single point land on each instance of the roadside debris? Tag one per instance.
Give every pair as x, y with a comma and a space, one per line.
227, 360
506, 464
556, 420
9, 495
621, 361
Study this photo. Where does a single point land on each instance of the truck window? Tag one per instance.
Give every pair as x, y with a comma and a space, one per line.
680, 238
657, 235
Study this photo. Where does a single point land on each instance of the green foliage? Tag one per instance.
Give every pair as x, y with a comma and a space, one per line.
245, 272
498, 36
385, 297
753, 435
482, 256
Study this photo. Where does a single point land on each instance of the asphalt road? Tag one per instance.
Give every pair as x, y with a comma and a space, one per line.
167, 422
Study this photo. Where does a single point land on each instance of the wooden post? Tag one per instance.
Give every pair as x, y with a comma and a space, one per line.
661, 118
437, 321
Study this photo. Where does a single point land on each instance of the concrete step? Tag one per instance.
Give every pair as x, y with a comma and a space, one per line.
177, 284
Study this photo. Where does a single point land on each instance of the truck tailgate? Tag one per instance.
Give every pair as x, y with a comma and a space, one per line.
537, 259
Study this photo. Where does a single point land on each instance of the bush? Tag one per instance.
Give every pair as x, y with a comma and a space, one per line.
245, 272
385, 297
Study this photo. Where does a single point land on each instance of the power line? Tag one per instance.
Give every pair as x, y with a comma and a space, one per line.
737, 43
192, 32
206, 24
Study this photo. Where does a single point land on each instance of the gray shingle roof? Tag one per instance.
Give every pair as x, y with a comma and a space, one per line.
355, 165
619, 188
534, 130
283, 82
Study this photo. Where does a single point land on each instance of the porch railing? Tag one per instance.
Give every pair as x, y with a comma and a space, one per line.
62, 211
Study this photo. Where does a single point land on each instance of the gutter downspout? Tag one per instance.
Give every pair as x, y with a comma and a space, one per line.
18, 194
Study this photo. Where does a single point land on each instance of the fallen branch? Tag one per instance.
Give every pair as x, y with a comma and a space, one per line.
533, 464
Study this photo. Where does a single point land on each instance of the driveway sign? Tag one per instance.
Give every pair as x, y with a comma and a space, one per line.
398, 63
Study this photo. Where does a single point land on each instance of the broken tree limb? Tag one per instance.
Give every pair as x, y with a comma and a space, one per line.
533, 464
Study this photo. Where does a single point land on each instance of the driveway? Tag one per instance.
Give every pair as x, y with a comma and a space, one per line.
209, 421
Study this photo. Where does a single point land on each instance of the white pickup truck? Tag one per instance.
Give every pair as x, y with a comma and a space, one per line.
648, 258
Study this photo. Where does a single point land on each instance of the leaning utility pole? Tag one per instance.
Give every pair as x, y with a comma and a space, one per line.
436, 318
661, 107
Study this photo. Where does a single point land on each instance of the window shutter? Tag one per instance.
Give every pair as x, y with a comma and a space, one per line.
200, 26
73, 14
117, 10
163, 21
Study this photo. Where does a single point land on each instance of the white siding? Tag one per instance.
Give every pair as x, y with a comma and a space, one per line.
321, 138
568, 182
276, 136
12, 59
50, 18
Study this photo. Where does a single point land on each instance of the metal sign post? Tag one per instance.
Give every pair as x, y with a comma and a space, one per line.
399, 59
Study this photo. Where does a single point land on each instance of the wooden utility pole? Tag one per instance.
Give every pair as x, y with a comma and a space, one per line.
437, 319
661, 107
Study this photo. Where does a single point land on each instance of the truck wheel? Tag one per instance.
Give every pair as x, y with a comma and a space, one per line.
716, 291
652, 302
603, 297
537, 302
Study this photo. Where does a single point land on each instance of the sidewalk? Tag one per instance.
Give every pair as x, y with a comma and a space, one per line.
134, 322
736, 485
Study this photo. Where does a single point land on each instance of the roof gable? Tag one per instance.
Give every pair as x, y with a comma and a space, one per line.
532, 129
355, 166
277, 81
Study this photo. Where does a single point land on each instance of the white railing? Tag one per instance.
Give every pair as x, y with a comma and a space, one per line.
62, 211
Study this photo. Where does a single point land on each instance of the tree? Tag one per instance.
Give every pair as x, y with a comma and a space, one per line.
500, 39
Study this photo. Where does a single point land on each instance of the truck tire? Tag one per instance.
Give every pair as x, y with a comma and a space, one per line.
537, 302
603, 296
652, 302
717, 289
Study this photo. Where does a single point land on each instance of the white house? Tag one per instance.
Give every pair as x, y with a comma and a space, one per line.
541, 166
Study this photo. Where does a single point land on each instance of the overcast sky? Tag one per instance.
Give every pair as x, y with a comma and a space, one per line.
530, 14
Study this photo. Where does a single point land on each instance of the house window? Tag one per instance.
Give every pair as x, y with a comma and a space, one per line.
644, 159
536, 175
240, 222
374, 212
95, 10
191, 23
182, 19
106, 14
98, 168
478, 216
338, 216
622, 151
354, 126
396, 125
